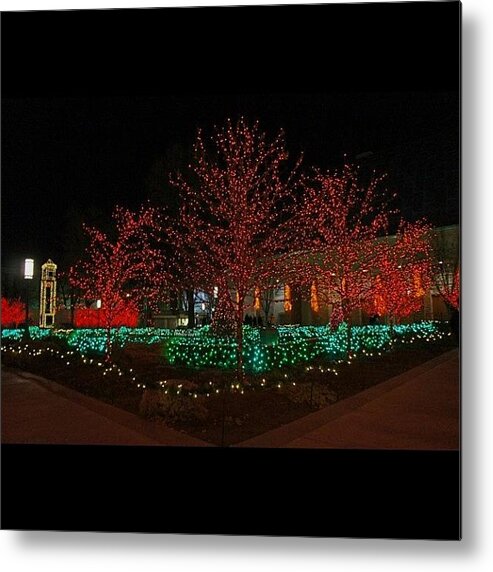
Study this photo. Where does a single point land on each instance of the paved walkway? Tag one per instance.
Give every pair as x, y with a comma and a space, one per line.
417, 410
39, 411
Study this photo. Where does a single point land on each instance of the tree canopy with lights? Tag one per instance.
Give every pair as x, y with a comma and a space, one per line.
236, 209
248, 223
13, 312
342, 221
404, 273
446, 267
122, 271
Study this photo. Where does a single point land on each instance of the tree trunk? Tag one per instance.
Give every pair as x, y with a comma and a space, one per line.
391, 329
191, 308
72, 314
224, 317
108, 343
173, 302
296, 301
239, 341
266, 307
349, 326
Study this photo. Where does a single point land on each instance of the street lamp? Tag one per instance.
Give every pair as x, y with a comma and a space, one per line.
28, 275
28, 269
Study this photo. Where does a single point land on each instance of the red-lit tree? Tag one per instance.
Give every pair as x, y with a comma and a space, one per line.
404, 273
446, 271
236, 211
188, 266
343, 221
126, 315
13, 312
448, 285
124, 271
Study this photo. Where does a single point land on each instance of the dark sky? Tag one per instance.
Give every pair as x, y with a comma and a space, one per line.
79, 152
65, 147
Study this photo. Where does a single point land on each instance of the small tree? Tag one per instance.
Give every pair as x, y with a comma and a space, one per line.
404, 273
343, 219
449, 288
13, 312
123, 271
190, 271
236, 210
446, 271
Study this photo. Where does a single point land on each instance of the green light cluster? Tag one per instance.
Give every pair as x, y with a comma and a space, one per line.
16, 334
199, 348
93, 340
295, 345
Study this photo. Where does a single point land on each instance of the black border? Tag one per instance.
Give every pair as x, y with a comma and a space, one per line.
389, 46
280, 492
359, 47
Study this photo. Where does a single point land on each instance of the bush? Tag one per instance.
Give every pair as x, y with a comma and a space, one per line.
13, 312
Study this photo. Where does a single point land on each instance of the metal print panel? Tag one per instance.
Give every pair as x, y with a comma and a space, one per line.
229, 258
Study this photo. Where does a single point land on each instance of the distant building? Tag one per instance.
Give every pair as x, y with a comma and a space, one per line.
292, 305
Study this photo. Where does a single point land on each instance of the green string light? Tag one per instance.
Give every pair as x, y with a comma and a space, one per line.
200, 349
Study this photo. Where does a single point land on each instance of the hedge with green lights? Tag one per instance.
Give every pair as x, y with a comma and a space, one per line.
295, 345
199, 348
16, 334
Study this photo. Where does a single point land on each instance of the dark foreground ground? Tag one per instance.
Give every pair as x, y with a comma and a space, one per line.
365, 407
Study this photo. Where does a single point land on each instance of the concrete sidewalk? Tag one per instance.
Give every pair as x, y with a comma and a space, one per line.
418, 410
38, 411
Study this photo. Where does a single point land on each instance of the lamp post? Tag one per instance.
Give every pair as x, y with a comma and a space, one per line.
28, 275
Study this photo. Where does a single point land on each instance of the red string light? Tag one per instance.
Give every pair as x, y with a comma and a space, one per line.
235, 218
13, 312
342, 220
404, 273
124, 272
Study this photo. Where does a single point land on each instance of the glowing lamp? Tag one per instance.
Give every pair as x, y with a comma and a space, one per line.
98, 304
28, 269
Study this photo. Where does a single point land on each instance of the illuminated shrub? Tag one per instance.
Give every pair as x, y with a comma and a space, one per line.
295, 345
96, 318
13, 312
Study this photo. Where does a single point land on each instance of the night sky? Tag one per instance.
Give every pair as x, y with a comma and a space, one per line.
73, 147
